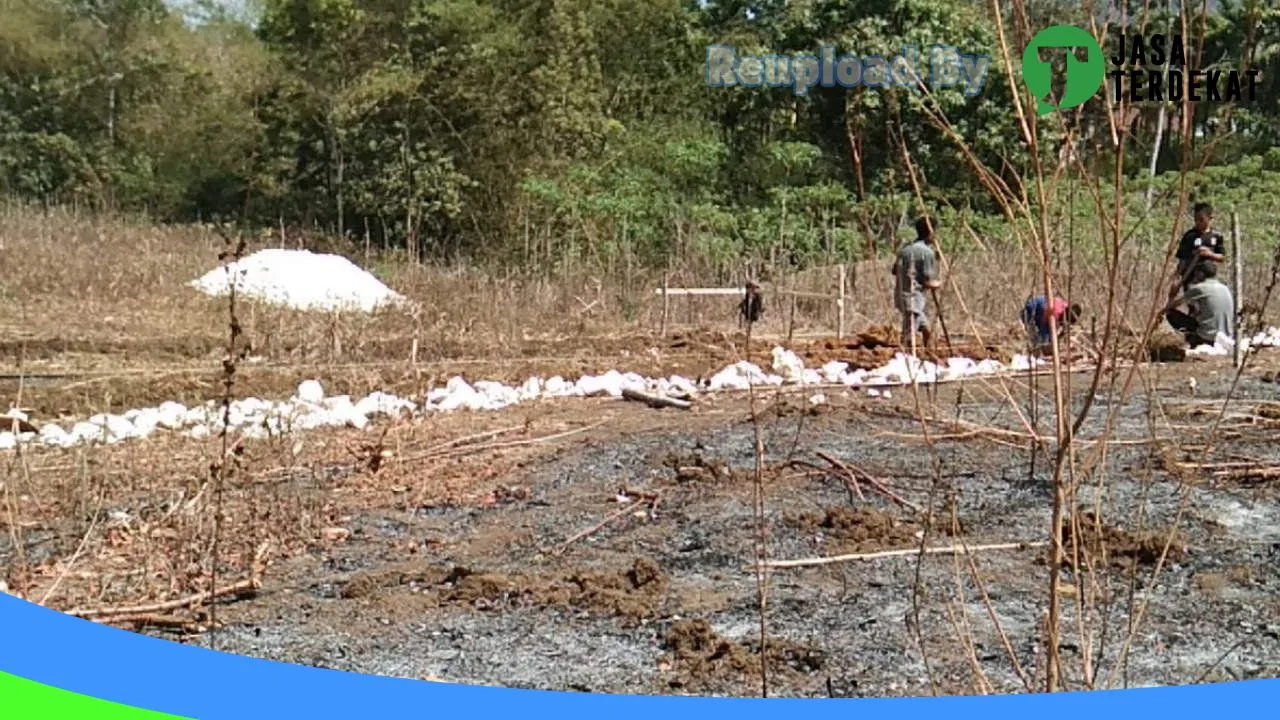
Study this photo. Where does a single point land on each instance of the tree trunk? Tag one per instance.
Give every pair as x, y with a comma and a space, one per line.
111, 113
339, 188
1161, 120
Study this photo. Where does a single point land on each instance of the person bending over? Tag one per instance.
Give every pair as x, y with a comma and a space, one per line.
1036, 314
1210, 308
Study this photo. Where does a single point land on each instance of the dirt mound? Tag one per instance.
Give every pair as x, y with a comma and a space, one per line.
879, 336
704, 339
864, 351
792, 406
1268, 410
368, 584
631, 594
703, 660
858, 530
1120, 548
971, 350
1166, 346
876, 346
695, 467
865, 530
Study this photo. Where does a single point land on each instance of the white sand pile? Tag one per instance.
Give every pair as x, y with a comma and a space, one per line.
1224, 345
299, 279
1267, 338
310, 408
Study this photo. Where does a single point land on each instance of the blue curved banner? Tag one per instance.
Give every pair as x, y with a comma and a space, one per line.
59, 651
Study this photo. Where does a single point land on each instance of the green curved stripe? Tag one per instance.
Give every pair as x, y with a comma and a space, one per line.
21, 699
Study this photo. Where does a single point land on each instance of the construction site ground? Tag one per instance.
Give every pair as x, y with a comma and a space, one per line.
601, 545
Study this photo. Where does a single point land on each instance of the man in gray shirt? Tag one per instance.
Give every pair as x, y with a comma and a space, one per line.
914, 270
1211, 308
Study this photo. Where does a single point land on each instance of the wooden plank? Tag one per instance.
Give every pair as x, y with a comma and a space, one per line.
739, 291
805, 294
700, 291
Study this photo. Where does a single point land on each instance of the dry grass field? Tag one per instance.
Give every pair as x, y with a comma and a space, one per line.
600, 545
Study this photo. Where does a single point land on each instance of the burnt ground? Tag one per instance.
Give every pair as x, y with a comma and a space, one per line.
481, 588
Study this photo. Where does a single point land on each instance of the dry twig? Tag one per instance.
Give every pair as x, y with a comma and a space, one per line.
241, 589
946, 549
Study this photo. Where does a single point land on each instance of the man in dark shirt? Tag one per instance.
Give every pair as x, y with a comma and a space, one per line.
752, 305
1200, 245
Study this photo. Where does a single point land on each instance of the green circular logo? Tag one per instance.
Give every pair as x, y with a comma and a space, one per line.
1084, 78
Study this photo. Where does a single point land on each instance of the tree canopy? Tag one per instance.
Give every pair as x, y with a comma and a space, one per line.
547, 129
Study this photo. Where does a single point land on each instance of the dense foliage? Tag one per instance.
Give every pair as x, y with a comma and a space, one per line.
553, 130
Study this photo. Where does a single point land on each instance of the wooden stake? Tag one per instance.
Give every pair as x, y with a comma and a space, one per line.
1236, 290
840, 304
791, 313
666, 302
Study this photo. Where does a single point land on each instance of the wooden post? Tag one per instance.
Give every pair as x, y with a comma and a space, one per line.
791, 319
666, 303
840, 305
367, 239
1236, 290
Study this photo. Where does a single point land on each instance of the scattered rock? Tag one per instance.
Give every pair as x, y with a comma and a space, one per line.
335, 534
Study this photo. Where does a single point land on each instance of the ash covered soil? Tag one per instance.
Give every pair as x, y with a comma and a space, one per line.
662, 599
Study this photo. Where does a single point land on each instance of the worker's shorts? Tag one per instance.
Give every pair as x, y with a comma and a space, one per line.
1036, 333
914, 321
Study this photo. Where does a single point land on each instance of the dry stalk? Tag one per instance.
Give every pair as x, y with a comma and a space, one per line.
232, 254
651, 500
953, 549
70, 563
244, 587
762, 530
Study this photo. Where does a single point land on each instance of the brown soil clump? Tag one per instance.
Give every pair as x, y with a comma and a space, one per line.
791, 407
855, 530
1217, 583
866, 530
371, 583
702, 660
1269, 411
876, 346
1166, 346
1121, 548
631, 594
697, 468
865, 351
